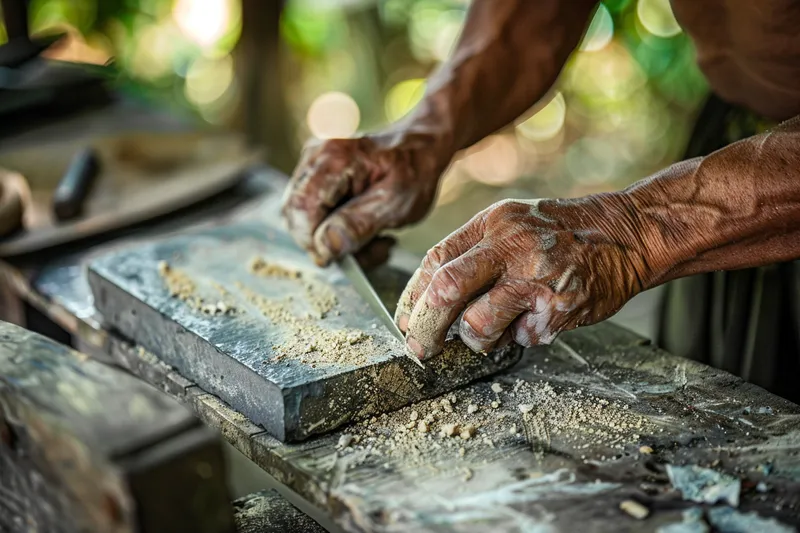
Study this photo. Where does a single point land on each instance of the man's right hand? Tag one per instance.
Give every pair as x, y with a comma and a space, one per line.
344, 192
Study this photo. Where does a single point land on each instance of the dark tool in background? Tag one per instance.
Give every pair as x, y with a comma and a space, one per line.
34, 89
20, 47
74, 187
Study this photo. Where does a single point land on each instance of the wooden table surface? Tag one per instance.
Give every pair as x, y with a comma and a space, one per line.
575, 428
558, 442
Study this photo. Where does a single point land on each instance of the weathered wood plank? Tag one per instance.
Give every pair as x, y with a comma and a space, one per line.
86, 447
268, 512
557, 476
537, 479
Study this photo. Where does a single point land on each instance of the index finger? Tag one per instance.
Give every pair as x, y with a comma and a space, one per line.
451, 288
449, 248
321, 180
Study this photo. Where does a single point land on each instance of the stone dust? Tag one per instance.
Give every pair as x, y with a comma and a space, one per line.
182, 287
260, 267
308, 342
531, 413
319, 295
427, 320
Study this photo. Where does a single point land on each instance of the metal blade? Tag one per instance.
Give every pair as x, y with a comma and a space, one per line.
353, 271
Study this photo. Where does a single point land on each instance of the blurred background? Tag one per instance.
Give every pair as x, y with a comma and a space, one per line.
285, 70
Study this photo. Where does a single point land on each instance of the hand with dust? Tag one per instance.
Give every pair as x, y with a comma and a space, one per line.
345, 192
524, 271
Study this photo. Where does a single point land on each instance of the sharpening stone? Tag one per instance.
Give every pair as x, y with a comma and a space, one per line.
238, 354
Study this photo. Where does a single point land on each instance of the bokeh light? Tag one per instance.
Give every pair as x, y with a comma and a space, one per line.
433, 30
494, 160
656, 16
203, 21
333, 115
152, 52
547, 122
403, 97
452, 184
449, 28
621, 109
49, 16
605, 77
600, 31
208, 79
589, 163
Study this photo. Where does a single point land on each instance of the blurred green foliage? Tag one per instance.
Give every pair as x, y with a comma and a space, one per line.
624, 107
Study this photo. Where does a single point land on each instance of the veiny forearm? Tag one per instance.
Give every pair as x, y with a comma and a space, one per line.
736, 208
509, 55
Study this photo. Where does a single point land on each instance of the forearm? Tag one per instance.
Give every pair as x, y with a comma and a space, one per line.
509, 55
736, 208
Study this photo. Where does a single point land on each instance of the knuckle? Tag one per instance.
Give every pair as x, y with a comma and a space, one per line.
501, 213
448, 283
511, 294
435, 257
333, 145
504, 207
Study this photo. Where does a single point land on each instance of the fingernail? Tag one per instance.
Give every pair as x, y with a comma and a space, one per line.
474, 345
320, 260
415, 347
469, 336
547, 338
402, 322
339, 241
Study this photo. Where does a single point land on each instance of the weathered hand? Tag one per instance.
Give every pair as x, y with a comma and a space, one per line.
524, 270
345, 191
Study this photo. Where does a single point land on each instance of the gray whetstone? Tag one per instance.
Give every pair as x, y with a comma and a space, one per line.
232, 356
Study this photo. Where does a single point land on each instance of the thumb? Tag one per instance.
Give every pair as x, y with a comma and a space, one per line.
357, 222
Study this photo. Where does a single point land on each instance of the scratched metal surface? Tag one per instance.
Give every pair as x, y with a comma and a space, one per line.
233, 356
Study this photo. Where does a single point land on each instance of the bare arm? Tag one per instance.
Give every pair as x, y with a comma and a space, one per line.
508, 56
736, 208
345, 191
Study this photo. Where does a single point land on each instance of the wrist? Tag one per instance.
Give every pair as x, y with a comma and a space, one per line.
612, 218
649, 238
428, 147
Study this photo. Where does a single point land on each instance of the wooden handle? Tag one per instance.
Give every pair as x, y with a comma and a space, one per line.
74, 187
13, 193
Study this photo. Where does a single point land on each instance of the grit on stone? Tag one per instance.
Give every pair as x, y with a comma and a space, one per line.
308, 342
321, 297
182, 287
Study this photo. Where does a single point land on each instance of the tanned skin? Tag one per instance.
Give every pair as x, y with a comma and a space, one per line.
523, 270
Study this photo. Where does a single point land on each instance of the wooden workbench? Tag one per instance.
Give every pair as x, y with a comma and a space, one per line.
604, 412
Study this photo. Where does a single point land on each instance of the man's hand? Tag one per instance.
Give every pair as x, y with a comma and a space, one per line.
524, 270
345, 191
